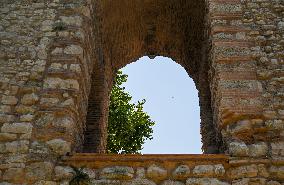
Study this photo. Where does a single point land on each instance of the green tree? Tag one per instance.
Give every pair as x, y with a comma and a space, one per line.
128, 126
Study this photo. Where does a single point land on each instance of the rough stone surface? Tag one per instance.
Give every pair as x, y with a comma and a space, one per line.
169, 182
203, 170
181, 172
117, 172
63, 172
39, 171
204, 181
59, 146
14, 175
17, 128
156, 172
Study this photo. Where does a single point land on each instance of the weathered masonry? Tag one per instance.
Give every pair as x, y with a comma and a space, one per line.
58, 59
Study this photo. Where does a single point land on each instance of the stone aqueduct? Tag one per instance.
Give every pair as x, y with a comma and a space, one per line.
58, 59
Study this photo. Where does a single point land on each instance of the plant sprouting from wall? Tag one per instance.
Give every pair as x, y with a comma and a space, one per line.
80, 177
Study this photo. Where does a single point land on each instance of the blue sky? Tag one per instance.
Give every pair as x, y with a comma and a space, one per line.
171, 101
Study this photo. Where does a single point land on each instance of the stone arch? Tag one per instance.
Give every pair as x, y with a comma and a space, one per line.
129, 30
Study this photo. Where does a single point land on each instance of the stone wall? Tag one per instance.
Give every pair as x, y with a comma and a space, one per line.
150, 169
58, 59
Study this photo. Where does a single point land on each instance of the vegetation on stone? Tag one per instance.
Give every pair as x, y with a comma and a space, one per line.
80, 177
129, 126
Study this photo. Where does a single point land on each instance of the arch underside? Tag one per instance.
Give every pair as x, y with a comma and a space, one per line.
131, 29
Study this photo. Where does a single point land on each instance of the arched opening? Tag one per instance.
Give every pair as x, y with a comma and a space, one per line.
96, 132
171, 101
131, 29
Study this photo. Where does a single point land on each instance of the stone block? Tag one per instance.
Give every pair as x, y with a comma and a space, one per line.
17, 146
39, 171
17, 128
117, 172
156, 172
9, 100
170, 182
7, 137
73, 50
59, 146
45, 183
238, 149
219, 170
277, 172
14, 175
241, 126
205, 181
244, 171
140, 182
258, 149
262, 170
22, 109
72, 20
203, 170
27, 118
277, 148
272, 183
29, 99
181, 172
58, 83
63, 172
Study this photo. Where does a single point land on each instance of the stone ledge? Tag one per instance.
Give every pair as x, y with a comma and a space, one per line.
100, 160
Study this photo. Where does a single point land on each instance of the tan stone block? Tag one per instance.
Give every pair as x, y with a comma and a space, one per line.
27, 118
181, 172
73, 50
17, 128
72, 20
75, 68
46, 183
63, 172
139, 181
156, 173
14, 175
58, 83
219, 170
277, 148
22, 109
238, 149
117, 172
262, 170
39, 171
29, 99
9, 100
277, 171
59, 146
2, 148
205, 181
17, 147
11, 165
5, 109
170, 182
273, 183
7, 118
203, 170
7, 137
16, 159
49, 102
241, 126
244, 171
258, 149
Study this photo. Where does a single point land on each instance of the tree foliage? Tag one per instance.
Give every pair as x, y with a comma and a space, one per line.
128, 126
